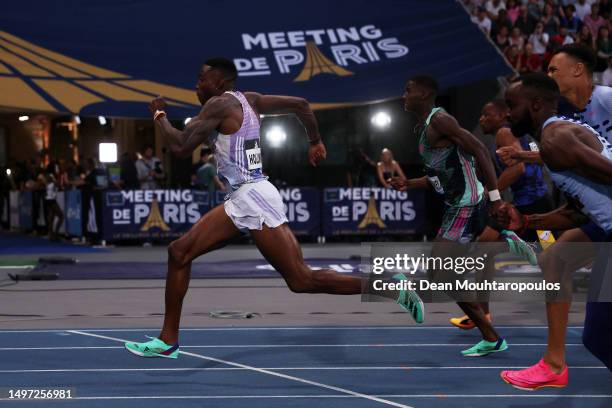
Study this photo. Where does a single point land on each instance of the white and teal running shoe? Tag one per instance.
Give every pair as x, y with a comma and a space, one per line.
410, 301
519, 247
153, 348
484, 347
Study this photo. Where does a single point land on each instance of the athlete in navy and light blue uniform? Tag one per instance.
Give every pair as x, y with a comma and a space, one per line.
580, 162
572, 68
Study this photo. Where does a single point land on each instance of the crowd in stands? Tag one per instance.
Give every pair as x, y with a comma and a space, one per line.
133, 171
528, 32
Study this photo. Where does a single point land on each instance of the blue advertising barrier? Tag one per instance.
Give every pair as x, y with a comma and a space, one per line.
151, 214
72, 212
160, 214
372, 211
303, 209
26, 215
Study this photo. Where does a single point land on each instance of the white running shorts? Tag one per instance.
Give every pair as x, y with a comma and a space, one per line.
256, 204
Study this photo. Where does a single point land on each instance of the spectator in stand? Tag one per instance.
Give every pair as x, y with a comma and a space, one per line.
603, 48
534, 10
517, 39
387, 168
493, 7
585, 37
482, 20
502, 20
550, 20
525, 22
607, 75
52, 208
605, 7
63, 178
471, 6
563, 37
583, 9
502, 39
594, 21
539, 40
530, 62
129, 173
513, 10
150, 170
513, 55
569, 20
206, 175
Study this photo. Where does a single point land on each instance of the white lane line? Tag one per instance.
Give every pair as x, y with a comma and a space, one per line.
263, 371
440, 396
343, 368
314, 328
17, 266
373, 345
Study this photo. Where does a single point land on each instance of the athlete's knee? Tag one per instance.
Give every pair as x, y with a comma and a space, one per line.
302, 282
546, 262
176, 254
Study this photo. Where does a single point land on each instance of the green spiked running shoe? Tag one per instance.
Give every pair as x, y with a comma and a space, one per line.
153, 348
519, 247
484, 347
410, 301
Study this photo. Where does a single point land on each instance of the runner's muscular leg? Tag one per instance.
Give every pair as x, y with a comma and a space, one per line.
280, 248
211, 232
443, 248
558, 262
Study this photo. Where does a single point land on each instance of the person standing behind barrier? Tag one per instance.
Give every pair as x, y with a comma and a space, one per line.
129, 172
150, 170
206, 174
388, 168
52, 208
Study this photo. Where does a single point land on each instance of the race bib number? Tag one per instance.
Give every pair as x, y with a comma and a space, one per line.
435, 182
533, 146
253, 154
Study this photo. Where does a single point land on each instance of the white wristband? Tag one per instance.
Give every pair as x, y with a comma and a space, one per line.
494, 195
158, 113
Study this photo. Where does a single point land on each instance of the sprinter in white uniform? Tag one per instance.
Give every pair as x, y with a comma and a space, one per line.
229, 123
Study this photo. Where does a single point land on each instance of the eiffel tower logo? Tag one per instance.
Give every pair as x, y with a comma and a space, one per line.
317, 63
155, 219
371, 216
64, 84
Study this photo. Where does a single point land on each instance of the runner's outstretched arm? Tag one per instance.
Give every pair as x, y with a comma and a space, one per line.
563, 150
279, 104
448, 126
182, 143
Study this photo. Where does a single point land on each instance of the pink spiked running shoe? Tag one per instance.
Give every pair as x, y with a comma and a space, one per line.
536, 377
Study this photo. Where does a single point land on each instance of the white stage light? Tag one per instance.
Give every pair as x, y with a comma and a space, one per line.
108, 152
276, 136
381, 120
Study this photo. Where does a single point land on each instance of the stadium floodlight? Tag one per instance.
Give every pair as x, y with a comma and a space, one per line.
187, 120
102, 120
24, 118
107, 152
276, 136
381, 119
